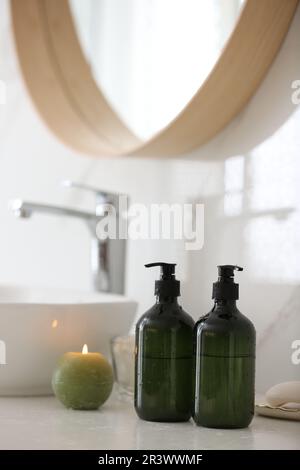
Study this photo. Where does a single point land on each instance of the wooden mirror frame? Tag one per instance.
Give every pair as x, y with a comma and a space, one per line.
68, 99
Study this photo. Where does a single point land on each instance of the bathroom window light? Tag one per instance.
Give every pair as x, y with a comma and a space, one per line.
234, 185
233, 203
272, 216
273, 244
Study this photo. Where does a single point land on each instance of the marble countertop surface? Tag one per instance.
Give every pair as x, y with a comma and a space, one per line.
43, 423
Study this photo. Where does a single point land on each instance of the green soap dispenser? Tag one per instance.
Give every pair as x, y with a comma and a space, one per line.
224, 344
164, 355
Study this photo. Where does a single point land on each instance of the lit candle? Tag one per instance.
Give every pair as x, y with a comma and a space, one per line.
82, 381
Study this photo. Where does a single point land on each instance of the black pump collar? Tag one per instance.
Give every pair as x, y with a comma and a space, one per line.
167, 285
225, 288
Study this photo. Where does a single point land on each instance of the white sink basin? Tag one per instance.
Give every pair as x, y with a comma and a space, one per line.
38, 325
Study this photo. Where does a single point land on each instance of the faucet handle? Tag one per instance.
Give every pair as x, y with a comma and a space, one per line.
85, 187
102, 197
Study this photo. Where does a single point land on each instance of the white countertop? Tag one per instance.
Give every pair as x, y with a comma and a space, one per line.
43, 423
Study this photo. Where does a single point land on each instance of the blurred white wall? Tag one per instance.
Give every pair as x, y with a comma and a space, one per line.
248, 177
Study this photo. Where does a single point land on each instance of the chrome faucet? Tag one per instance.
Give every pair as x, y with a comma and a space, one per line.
108, 255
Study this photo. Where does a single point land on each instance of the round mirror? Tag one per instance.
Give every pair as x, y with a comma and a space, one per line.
145, 77
149, 57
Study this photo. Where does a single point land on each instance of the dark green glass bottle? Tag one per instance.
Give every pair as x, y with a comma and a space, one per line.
224, 344
164, 355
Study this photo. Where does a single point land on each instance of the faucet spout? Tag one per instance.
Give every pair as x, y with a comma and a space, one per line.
24, 209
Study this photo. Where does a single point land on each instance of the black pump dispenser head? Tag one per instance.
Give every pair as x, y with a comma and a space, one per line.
167, 285
225, 288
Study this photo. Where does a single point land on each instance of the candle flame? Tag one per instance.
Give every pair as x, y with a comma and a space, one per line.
85, 349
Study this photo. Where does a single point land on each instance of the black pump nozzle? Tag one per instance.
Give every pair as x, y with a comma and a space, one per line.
227, 270
225, 288
167, 285
167, 270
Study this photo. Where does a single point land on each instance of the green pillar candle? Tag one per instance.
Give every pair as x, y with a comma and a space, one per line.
82, 381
